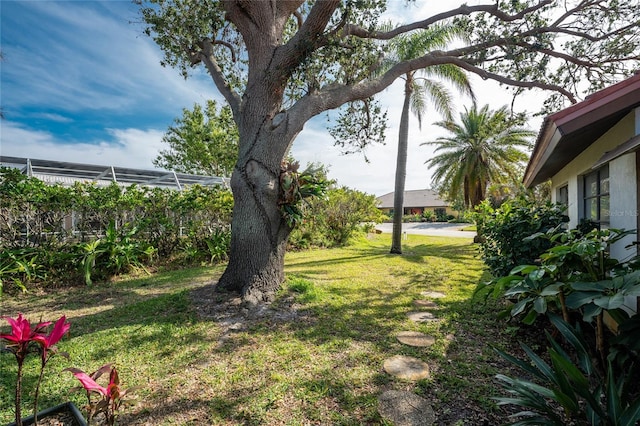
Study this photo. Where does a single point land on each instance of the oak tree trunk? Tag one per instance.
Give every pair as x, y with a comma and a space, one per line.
259, 232
259, 237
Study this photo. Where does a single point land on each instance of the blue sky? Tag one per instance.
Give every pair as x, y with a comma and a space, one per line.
81, 83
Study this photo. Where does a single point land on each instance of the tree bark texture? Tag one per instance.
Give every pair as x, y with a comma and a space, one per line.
259, 237
401, 170
259, 232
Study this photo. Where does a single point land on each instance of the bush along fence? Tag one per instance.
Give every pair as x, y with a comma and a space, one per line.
60, 235
571, 285
50, 233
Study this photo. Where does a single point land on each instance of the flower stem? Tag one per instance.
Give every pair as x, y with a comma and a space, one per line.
19, 395
35, 399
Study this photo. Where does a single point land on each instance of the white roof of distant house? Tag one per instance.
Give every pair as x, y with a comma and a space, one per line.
66, 173
414, 198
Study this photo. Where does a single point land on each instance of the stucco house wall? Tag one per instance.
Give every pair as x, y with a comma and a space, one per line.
622, 181
580, 141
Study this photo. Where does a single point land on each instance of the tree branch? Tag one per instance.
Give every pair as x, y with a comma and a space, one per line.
355, 30
232, 97
227, 45
290, 7
484, 74
308, 37
333, 96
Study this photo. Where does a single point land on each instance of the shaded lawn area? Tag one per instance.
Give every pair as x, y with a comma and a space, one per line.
315, 356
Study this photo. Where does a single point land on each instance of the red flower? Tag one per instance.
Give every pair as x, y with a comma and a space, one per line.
22, 334
60, 328
88, 383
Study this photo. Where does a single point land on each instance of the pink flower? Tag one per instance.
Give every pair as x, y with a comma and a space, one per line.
21, 330
108, 400
88, 383
60, 328
22, 335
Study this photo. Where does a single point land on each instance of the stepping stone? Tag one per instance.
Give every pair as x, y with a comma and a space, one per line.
422, 316
433, 294
405, 409
426, 304
416, 339
406, 367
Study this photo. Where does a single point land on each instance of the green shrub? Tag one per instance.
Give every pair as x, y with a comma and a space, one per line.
429, 216
115, 228
334, 219
565, 392
503, 232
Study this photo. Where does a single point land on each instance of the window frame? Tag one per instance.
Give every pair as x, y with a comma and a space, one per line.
600, 194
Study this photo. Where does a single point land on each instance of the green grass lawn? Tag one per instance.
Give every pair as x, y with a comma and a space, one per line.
321, 363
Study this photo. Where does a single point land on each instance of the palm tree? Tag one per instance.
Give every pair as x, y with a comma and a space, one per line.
418, 88
483, 148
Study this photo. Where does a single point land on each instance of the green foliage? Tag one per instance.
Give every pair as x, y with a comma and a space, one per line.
564, 391
504, 231
579, 278
484, 147
429, 216
117, 252
115, 229
297, 187
219, 243
335, 218
531, 287
576, 275
359, 124
201, 142
528, 49
19, 266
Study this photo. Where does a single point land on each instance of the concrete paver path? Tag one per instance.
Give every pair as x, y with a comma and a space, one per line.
406, 367
422, 316
415, 338
405, 409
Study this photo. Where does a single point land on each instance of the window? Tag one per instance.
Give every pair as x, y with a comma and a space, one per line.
596, 197
563, 195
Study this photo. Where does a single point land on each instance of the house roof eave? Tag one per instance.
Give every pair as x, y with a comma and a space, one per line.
570, 131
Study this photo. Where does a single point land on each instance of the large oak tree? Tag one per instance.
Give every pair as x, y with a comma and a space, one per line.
278, 63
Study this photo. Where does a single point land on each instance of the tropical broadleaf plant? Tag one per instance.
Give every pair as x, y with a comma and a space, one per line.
564, 390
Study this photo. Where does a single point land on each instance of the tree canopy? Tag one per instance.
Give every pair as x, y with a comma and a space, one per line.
279, 63
201, 142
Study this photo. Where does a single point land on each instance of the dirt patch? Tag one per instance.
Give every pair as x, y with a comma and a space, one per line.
232, 314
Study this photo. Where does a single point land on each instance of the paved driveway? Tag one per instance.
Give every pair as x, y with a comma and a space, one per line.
428, 228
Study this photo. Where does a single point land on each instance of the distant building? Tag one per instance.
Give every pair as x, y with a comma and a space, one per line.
416, 202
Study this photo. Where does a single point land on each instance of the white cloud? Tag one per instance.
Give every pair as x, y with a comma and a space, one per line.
91, 60
133, 148
96, 60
